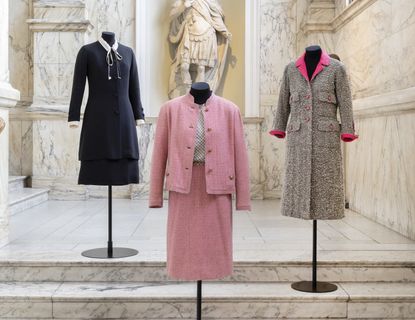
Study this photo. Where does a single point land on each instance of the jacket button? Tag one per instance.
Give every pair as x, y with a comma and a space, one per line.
189, 148
210, 150
210, 170
206, 110
191, 127
231, 177
187, 168
167, 174
209, 129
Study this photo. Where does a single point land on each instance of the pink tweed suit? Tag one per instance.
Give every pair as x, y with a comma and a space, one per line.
199, 231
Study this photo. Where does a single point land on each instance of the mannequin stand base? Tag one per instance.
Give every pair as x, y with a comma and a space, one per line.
320, 287
102, 253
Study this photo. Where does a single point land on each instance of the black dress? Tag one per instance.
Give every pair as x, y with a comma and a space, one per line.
108, 148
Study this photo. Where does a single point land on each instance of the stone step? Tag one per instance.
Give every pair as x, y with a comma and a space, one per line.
222, 301
119, 270
26, 198
16, 183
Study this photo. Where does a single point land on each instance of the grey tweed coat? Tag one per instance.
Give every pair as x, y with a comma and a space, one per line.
307, 114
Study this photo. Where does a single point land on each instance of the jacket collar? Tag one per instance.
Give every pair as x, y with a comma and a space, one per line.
190, 101
302, 67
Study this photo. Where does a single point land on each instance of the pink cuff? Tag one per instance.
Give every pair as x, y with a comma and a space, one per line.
277, 133
348, 137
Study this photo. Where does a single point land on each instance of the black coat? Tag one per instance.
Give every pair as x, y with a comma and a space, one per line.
109, 128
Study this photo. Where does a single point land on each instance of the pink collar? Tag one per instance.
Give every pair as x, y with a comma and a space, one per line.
324, 62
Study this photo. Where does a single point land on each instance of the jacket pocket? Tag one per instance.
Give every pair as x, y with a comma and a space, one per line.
294, 98
328, 133
293, 126
326, 96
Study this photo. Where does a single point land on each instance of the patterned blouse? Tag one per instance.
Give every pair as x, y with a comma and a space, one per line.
199, 155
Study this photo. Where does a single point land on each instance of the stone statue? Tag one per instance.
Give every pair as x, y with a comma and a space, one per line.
200, 41
2, 124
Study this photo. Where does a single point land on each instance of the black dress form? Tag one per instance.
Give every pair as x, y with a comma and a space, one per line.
201, 92
312, 58
108, 148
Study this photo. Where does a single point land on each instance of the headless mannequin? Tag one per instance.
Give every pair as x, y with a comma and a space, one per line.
312, 58
201, 92
109, 37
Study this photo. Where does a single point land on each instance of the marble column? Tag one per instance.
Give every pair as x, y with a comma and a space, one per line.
8, 99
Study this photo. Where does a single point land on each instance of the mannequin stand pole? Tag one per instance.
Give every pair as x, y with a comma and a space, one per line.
199, 301
314, 285
109, 252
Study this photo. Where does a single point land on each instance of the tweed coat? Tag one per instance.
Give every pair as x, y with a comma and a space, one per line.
307, 114
114, 105
226, 158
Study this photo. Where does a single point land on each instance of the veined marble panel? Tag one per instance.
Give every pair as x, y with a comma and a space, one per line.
20, 148
278, 48
114, 16
381, 171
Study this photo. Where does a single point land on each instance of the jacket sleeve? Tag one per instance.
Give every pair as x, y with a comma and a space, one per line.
243, 197
283, 108
344, 101
134, 90
78, 86
159, 160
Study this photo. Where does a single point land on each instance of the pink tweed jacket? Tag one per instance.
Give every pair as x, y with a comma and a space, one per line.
226, 161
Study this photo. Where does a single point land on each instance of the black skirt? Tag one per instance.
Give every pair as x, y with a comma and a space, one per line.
108, 172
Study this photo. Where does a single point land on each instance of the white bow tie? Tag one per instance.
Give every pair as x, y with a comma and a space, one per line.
109, 58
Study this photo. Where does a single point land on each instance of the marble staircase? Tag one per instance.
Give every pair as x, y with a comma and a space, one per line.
44, 276
72, 287
21, 197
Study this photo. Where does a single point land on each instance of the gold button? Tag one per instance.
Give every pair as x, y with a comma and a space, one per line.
189, 148
209, 129
231, 177
209, 151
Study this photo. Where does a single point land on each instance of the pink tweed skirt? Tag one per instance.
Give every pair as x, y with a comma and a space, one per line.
199, 232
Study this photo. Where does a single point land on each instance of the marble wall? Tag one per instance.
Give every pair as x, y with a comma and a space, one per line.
377, 45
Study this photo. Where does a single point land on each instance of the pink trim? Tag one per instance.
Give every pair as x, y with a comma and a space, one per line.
277, 133
302, 67
348, 137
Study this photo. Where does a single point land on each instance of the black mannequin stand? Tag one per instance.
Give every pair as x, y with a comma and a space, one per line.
109, 252
312, 58
314, 285
201, 93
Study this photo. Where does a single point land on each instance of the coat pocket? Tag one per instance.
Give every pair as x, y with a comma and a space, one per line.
294, 98
328, 133
326, 96
293, 126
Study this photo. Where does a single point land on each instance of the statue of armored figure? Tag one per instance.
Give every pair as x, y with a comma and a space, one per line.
201, 40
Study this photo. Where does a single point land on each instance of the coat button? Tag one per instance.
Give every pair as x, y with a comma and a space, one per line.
209, 129
206, 110
187, 168
210, 150
191, 127
189, 148
210, 171
231, 177
167, 174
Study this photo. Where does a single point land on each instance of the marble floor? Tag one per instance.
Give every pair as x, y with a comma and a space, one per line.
67, 228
